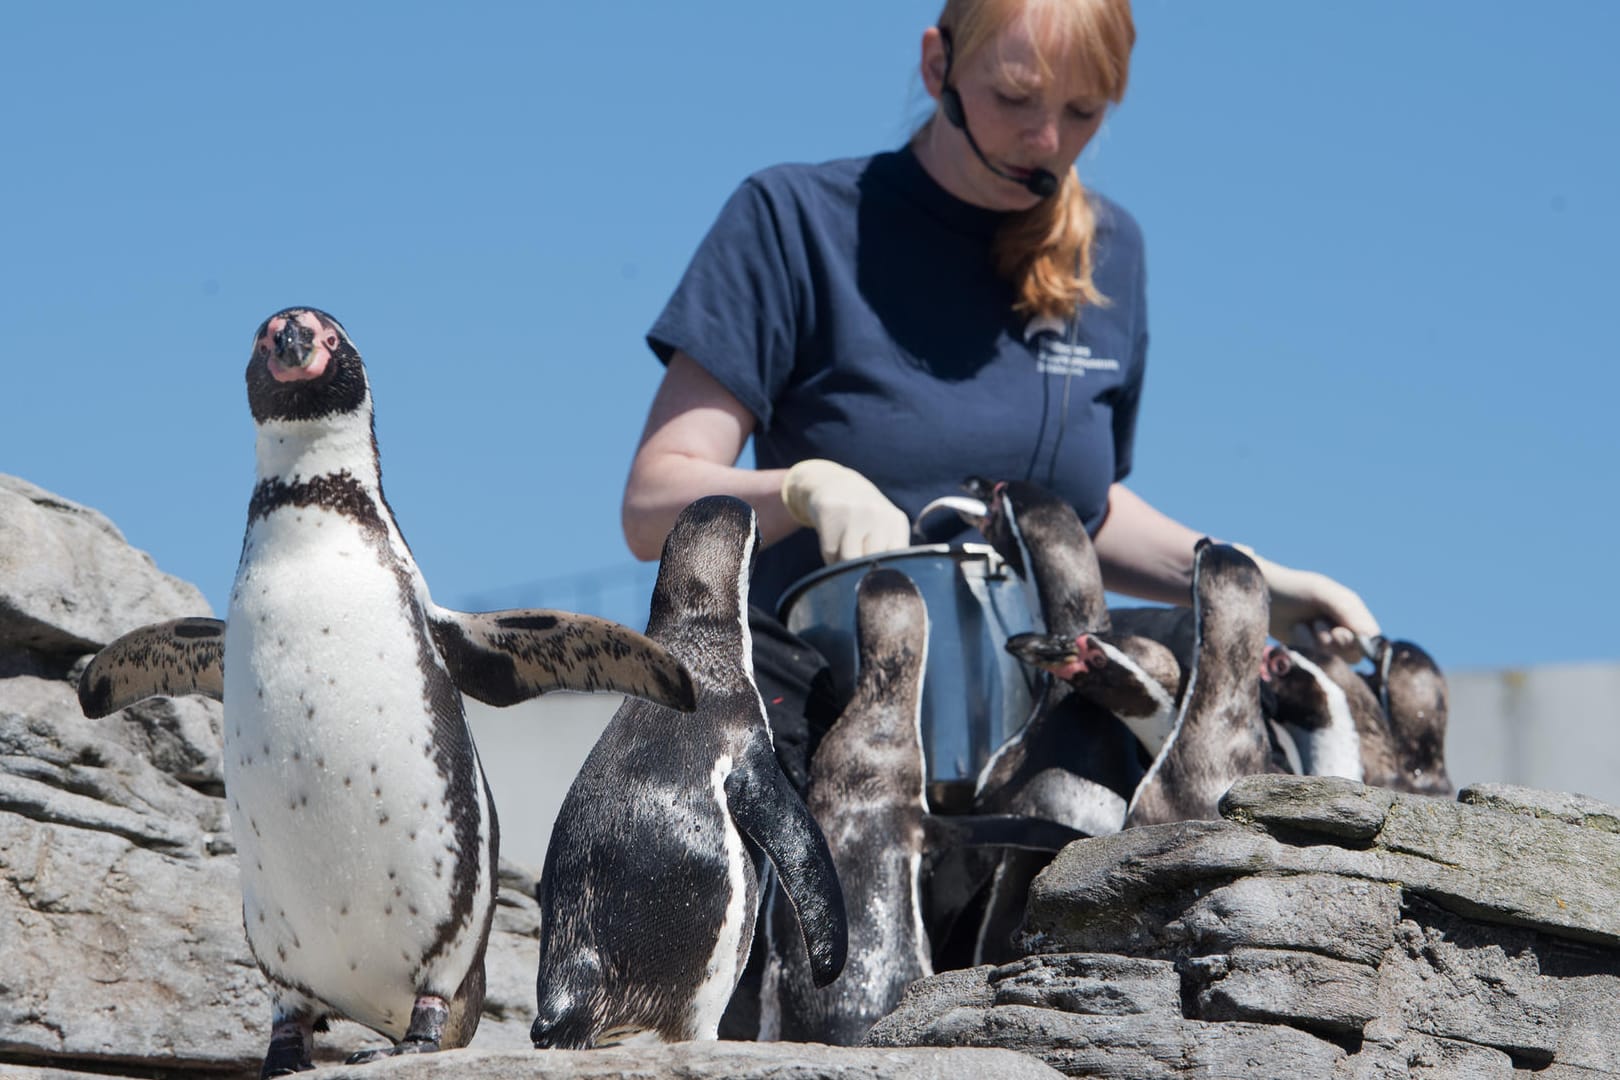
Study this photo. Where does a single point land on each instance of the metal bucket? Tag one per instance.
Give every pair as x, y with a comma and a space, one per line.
975, 695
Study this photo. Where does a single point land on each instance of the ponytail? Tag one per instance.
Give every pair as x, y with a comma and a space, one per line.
1046, 252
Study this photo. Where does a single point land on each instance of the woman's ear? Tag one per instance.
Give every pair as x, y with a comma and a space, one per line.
934, 63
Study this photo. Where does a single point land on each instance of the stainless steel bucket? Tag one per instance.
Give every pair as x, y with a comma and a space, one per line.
975, 694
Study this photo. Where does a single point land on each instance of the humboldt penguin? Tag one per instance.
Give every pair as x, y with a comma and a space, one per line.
867, 793
1412, 693
649, 891
1219, 733
1316, 713
1073, 762
1134, 678
366, 835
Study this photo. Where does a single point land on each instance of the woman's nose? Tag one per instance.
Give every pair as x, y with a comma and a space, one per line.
1043, 136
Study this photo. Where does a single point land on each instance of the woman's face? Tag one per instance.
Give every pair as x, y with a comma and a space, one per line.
1021, 120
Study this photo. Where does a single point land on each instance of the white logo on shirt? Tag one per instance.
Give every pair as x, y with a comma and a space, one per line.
1055, 357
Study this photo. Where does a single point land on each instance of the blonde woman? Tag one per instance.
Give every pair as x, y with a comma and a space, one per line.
885, 326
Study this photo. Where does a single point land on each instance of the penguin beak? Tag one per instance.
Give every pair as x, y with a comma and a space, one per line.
1042, 650
294, 343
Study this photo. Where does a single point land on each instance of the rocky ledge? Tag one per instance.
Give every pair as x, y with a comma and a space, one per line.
1322, 930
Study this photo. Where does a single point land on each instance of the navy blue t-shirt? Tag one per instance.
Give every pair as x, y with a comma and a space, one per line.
853, 308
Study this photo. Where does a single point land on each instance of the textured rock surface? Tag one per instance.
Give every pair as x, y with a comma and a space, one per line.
68, 581
682, 1061
1322, 929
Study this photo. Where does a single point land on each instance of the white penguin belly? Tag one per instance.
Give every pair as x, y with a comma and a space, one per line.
731, 945
338, 806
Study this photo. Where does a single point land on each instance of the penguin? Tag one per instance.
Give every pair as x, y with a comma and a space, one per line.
1316, 713
867, 793
649, 893
1073, 761
1412, 693
1337, 721
1040, 537
1134, 678
366, 835
1219, 734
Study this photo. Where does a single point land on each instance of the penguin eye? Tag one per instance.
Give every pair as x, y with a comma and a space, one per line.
260, 351
330, 342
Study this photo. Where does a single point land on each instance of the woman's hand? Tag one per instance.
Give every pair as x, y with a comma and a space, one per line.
1312, 609
850, 515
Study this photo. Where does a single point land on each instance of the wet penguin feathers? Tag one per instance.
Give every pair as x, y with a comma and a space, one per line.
649, 892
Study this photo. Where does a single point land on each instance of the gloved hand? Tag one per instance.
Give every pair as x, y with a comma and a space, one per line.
1313, 610
850, 515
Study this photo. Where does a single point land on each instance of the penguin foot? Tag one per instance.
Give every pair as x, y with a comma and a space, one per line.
405, 1046
422, 1035
290, 1046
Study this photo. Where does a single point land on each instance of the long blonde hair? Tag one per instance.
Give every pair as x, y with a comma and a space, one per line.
1046, 251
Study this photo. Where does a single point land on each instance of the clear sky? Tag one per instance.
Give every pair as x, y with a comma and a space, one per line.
1381, 248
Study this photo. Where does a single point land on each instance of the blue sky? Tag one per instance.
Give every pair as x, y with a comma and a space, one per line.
1381, 249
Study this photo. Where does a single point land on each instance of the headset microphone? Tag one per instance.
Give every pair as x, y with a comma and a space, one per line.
1039, 182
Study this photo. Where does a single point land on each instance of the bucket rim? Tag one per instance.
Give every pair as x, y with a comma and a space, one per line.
831, 570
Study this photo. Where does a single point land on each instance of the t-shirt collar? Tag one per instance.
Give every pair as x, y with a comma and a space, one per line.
914, 182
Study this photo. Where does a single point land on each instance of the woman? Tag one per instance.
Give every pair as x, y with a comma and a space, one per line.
886, 326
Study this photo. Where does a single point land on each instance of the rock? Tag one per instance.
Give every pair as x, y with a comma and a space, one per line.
1421, 1057
1489, 864
680, 1061
1335, 916
1137, 1047
1280, 986
1096, 985
1325, 805
69, 583
1555, 805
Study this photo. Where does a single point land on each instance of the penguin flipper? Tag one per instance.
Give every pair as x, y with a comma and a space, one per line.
504, 657
166, 659
998, 830
770, 813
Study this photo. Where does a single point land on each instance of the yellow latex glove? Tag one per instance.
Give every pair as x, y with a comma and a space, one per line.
850, 515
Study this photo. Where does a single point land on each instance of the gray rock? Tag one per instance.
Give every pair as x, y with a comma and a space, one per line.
1555, 805
1277, 986
1325, 805
1473, 984
1139, 1047
1114, 892
1090, 984
1336, 916
69, 583
702, 1061
1589, 1023
1422, 1057
117, 954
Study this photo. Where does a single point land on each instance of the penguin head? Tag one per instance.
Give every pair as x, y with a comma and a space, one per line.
1040, 537
1230, 596
1300, 687
707, 562
304, 367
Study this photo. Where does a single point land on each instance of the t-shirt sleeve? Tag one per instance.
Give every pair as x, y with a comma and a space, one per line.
1130, 396
735, 309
